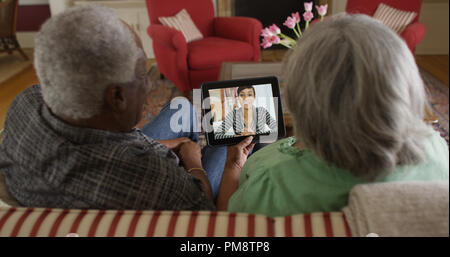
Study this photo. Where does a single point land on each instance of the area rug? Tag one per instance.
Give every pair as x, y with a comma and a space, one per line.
437, 93
13, 64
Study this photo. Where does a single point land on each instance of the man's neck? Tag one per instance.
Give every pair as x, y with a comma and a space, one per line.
101, 122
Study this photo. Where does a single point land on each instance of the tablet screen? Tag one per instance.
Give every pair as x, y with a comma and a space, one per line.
244, 109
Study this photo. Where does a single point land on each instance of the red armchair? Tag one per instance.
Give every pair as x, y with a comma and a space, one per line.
188, 65
413, 34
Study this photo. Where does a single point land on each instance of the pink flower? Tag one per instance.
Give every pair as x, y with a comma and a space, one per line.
322, 10
296, 17
266, 42
274, 29
308, 7
290, 22
308, 16
275, 39
266, 32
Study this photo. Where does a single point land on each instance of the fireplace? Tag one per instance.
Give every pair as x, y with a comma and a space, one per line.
267, 11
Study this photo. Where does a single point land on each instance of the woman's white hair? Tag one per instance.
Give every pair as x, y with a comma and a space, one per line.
356, 96
78, 53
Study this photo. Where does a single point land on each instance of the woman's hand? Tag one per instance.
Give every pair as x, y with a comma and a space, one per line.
236, 158
247, 133
237, 154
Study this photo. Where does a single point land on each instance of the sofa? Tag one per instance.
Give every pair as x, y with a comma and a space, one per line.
382, 209
42, 222
389, 209
16, 221
46, 222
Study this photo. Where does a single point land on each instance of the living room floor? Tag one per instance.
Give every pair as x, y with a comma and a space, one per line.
438, 65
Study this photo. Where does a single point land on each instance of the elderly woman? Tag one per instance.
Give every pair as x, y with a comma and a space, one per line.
71, 141
358, 102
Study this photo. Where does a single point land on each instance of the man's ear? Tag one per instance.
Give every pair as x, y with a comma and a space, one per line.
115, 98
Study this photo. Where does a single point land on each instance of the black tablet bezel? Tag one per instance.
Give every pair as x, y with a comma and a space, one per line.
206, 108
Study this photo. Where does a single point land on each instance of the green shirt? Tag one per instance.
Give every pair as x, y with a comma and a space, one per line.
281, 180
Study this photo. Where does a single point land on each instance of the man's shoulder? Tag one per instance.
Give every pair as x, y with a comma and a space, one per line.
24, 108
30, 97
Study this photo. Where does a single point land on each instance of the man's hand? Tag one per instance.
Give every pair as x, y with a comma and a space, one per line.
190, 154
173, 144
237, 154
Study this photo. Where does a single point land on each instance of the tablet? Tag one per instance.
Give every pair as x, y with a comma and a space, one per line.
235, 109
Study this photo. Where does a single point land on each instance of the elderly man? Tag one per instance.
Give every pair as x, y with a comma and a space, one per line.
70, 142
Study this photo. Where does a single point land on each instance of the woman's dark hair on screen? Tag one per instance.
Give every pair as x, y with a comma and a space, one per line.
245, 87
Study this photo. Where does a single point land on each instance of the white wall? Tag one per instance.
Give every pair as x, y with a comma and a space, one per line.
435, 15
26, 39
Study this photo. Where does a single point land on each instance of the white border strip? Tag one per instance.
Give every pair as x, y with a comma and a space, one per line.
33, 2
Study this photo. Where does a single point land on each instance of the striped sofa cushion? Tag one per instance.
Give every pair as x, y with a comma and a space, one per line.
183, 22
395, 19
31, 222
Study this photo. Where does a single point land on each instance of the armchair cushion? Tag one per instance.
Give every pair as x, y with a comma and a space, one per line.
395, 19
210, 52
183, 22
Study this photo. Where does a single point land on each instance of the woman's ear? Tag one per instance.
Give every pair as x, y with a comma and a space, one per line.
115, 98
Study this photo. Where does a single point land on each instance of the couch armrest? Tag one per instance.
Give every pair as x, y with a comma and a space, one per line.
170, 48
167, 36
414, 34
244, 29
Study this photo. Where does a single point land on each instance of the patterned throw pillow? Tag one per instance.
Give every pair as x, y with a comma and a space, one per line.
395, 19
183, 22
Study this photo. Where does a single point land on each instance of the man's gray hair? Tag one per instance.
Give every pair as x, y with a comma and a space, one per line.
356, 96
78, 53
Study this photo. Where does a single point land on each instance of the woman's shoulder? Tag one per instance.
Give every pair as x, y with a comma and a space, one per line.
261, 109
282, 158
280, 155
436, 151
434, 167
280, 147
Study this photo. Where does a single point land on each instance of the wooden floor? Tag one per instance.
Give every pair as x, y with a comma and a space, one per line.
438, 65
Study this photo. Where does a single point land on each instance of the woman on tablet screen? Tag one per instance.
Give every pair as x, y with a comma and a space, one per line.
248, 119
